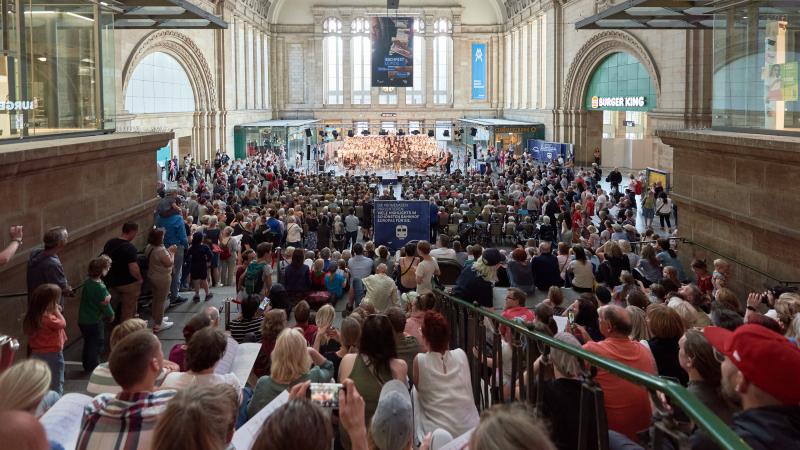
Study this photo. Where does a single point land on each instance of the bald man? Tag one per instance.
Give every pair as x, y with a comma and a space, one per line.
381, 289
21, 431
627, 405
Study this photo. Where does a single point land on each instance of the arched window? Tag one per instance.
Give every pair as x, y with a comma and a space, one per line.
159, 84
362, 78
442, 55
415, 95
333, 57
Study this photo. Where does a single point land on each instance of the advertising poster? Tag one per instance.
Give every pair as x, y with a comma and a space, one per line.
392, 51
789, 79
545, 151
479, 71
400, 222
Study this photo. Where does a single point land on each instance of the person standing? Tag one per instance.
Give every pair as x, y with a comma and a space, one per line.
45, 267
426, 269
124, 280
174, 234
160, 262
351, 224
95, 304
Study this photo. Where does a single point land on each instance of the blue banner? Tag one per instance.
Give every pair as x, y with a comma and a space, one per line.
399, 222
546, 151
392, 51
479, 71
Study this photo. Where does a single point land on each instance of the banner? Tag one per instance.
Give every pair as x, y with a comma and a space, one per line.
549, 151
392, 51
399, 222
479, 71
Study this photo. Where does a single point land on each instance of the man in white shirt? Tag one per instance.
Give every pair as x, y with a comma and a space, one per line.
443, 250
351, 224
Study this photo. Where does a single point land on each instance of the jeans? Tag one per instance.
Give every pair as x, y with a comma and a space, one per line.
662, 218
351, 238
92, 344
54, 360
127, 296
176, 272
357, 285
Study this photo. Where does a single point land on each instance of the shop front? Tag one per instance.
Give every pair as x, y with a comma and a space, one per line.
620, 94
293, 136
480, 134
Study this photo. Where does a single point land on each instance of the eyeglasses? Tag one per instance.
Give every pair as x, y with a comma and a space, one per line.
719, 356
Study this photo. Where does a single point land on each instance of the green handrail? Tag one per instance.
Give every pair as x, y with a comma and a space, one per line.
720, 432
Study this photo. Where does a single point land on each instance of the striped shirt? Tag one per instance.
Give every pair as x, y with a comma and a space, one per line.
240, 327
122, 422
101, 381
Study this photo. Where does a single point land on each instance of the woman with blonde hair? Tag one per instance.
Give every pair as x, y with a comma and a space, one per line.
24, 385
291, 360
787, 308
514, 426
324, 320
639, 332
200, 417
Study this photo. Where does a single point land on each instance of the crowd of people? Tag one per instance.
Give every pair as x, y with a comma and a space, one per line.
295, 246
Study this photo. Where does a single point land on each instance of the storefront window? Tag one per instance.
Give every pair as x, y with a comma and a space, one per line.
53, 79
756, 68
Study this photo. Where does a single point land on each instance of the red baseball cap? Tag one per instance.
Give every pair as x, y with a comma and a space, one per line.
764, 357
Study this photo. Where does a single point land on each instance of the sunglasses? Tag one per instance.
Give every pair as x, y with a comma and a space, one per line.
719, 356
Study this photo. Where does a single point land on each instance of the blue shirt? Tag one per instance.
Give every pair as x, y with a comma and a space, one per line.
174, 230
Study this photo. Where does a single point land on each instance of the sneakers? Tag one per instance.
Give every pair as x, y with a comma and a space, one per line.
176, 301
209, 296
165, 325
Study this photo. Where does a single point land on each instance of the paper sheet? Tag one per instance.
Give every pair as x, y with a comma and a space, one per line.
226, 363
62, 422
561, 321
244, 360
244, 437
458, 443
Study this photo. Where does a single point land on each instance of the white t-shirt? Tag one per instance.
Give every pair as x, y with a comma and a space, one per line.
425, 271
582, 273
180, 380
443, 253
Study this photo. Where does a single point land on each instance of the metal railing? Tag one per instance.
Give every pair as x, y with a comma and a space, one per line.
470, 327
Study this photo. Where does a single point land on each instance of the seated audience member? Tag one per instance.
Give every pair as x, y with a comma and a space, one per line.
697, 359
302, 315
204, 351
291, 364
519, 271
348, 337
443, 250
515, 310
561, 397
322, 340
274, 322
476, 282
381, 289
25, 386
127, 420
419, 305
545, 268
724, 317
247, 327
443, 383
196, 323
101, 381
21, 430
627, 405
200, 417
666, 329
407, 345
760, 372
511, 426
392, 426
335, 282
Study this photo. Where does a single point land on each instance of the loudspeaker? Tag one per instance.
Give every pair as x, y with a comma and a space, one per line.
430, 133
415, 132
473, 132
400, 132
308, 152
365, 132
335, 134
446, 133
308, 132
474, 151
349, 133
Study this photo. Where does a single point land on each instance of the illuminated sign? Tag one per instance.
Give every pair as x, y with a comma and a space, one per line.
618, 102
19, 105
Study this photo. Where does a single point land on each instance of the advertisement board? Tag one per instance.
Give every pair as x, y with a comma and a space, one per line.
479, 71
399, 222
392, 51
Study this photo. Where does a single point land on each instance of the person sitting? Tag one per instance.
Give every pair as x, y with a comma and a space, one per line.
476, 282
317, 275
274, 322
627, 405
407, 345
443, 250
21, 430
519, 271
760, 372
291, 360
381, 289
392, 425
247, 327
696, 357
127, 420
178, 352
510, 426
666, 329
200, 417
302, 315
545, 268
205, 349
443, 383
25, 386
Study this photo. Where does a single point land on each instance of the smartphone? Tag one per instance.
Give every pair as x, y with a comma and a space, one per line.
264, 304
325, 395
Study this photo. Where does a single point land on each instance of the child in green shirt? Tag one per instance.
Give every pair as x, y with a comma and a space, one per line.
95, 303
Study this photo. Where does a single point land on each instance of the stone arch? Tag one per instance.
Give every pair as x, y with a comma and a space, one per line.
592, 53
188, 55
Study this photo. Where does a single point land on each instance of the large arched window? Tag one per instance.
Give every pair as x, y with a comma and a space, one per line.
159, 84
415, 95
362, 78
333, 57
442, 54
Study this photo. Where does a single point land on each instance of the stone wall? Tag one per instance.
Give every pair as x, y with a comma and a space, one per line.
736, 194
91, 185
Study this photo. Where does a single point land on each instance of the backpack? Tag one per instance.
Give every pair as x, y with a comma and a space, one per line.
254, 277
225, 254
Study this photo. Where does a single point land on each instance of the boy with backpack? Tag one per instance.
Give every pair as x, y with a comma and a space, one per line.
257, 278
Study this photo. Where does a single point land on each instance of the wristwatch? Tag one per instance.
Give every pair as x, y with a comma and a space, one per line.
752, 308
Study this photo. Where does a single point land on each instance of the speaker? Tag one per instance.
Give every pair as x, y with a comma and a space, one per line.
430, 133
308, 152
349, 133
473, 132
400, 132
335, 134
365, 132
474, 151
446, 133
415, 132
308, 132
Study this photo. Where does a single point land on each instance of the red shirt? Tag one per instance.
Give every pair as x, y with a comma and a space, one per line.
309, 331
704, 284
627, 404
590, 208
50, 337
517, 313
